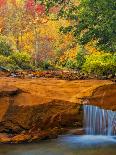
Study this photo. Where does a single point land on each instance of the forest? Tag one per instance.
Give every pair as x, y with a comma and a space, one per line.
76, 35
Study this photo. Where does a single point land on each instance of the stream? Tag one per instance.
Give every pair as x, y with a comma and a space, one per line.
65, 145
99, 138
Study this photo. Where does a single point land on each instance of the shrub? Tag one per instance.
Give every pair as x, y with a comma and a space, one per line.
80, 58
46, 65
12, 67
5, 49
71, 64
100, 64
22, 60
78, 61
7, 63
4, 61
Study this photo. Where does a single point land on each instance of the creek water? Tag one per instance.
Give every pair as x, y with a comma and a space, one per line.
65, 145
100, 138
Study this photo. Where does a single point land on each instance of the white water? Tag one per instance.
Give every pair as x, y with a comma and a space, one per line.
99, 121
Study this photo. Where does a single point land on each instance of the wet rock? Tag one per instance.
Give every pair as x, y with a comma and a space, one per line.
79, 131
28, 136
23, 137
4, 138
45, 134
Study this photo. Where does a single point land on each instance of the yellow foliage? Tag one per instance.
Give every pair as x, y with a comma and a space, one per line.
51, 28
69, 55
27, 41
90, 47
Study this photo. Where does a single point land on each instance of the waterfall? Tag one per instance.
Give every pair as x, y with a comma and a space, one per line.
99, 121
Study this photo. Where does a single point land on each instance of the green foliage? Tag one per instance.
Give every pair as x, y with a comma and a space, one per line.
5, 49
97, 22
71, 64
78, 62
4, 61
21, 59
50, 3
7, 62
13, 60
46, 65
93, 20
100, 64
80, 58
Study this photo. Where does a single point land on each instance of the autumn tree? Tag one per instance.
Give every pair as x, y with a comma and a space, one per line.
14, 21
94, 20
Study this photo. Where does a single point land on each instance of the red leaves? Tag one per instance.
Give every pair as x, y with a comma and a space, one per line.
2, 3
32, 7
6, 2
40, 9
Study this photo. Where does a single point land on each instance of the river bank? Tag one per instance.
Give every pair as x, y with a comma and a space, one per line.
36, 109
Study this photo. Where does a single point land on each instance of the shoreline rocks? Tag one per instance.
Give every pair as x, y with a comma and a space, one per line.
28, 137
69, 75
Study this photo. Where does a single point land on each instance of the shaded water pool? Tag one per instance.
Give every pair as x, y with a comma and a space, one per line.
65, 145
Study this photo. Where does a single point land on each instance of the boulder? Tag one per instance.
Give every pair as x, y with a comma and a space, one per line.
104, 96
36, 111
28, 117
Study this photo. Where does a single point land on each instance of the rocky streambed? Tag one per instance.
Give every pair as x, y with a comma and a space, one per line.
37, 109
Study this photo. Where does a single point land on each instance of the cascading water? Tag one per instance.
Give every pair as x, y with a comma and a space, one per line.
99, 121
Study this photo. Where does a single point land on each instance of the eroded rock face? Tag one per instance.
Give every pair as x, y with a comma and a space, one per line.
48, 114
104, 96
39, 109
24, 112
6, 94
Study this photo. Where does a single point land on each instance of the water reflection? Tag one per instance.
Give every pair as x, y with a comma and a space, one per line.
65, 145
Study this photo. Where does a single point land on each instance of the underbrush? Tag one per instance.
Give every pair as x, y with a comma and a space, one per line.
101, 64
